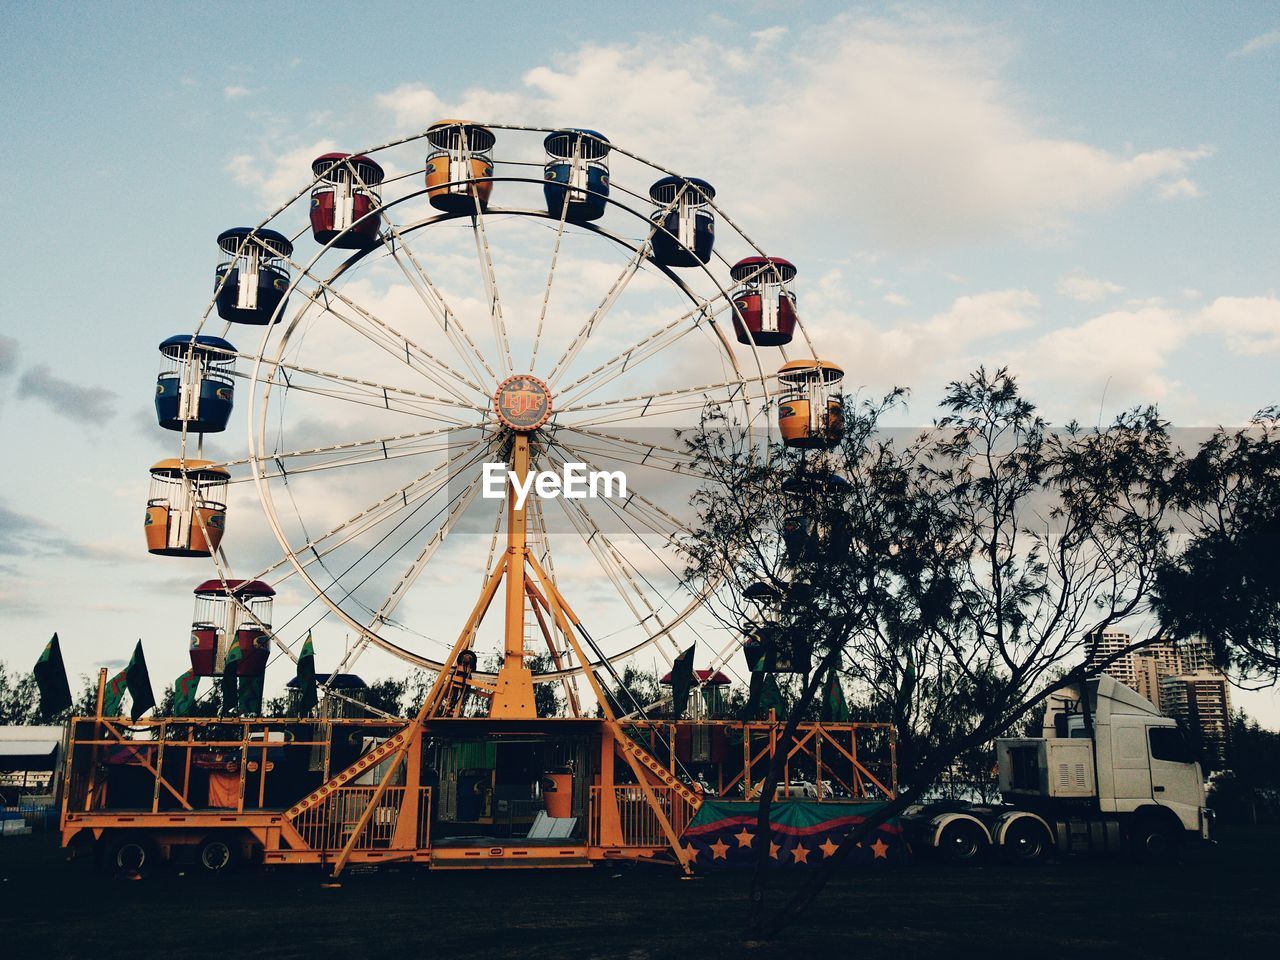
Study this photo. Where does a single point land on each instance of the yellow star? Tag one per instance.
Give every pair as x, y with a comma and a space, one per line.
828, 848
720, 850
773, 850
691, 851
881, 849
744, 838
800, 852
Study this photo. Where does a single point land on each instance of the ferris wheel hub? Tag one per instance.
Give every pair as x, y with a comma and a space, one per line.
522, 403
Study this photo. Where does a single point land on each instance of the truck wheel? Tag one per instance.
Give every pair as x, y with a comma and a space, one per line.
1025, 842
962, 842
131, 855
1154, 841
216, 856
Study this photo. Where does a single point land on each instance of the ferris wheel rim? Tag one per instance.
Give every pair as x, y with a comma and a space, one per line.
258, 440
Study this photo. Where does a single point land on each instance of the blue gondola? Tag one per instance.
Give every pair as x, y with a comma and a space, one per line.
685, 228
257, 278
577, 169
195, 388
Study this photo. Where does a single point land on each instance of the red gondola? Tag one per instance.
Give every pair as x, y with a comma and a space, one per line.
764, 305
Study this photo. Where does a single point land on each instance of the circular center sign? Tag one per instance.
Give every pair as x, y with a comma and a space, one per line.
522, 402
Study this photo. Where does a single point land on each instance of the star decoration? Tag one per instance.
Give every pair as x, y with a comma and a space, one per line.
828, 848
691, 851
720, 850
880, 849
801, 853
744, 838
773, 850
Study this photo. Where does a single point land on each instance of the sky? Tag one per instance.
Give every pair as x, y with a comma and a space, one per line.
1085, 192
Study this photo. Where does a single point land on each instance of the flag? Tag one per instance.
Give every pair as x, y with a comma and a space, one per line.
229, 667
139, 684
681, 682
249, 699
51, 678
134, 678
184, 693
307, 698
835, 709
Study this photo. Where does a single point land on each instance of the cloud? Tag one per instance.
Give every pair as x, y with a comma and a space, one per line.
1086, 289
1262, 41
896, 299
22, 535
935, 146
280, 175
236, 93
92, 405
1250, 325
9, 351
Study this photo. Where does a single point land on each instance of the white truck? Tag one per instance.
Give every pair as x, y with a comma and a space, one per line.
1109, 773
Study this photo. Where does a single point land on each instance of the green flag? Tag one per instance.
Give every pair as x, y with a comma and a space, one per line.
307, 697
51, 678
184, 693
769, 697
135, 679
139, 684
681, 682
835, 709
249, 700
229, 667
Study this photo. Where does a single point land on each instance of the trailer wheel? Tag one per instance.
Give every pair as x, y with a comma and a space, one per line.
131, 855
962, 841
216, 855
1025, 842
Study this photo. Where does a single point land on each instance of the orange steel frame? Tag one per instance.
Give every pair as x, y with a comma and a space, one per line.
643, 819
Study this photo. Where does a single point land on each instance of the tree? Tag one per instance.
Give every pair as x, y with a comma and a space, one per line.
20, 700
951, 577
1225, 586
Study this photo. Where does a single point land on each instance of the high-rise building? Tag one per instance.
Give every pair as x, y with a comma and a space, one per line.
1182, 680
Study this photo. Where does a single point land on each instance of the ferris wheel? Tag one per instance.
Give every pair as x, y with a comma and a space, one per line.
425, 329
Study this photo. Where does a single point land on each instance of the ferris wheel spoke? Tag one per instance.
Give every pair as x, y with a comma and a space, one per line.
551, 273
373, 390
491, 288
390, 338
644, 448
387, 444
625, 415
643, 401
354, 460
631, 357
447, 319
619, 571
425, 485
615, 291
637, 454
410, 576
636, 505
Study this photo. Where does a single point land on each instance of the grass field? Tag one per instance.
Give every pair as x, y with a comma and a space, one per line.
1219, 902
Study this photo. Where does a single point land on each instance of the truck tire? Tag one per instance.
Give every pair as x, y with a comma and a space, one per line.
131, 855
216, 856
1154, 840
962, 841
1026, 842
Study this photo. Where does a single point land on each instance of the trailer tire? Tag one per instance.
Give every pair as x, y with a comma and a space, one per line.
217, 855
1025, 842
131, 855
962, 841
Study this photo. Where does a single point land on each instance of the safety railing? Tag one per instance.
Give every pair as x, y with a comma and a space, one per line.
638, 821
329, 825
